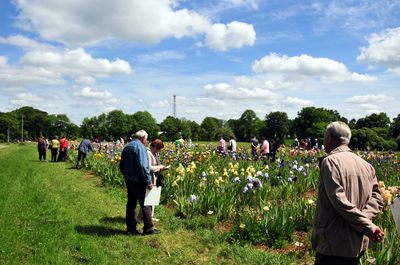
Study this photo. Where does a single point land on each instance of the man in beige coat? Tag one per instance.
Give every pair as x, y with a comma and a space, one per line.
348, 199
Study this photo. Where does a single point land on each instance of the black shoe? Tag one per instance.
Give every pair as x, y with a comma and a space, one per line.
133, 233
152, 232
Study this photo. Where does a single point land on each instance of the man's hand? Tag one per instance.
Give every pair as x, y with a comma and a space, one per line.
378, 235
150, 186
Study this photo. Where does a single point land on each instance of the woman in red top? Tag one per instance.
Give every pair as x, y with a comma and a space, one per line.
63, 154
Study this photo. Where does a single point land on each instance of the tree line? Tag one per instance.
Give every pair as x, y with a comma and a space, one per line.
375, 131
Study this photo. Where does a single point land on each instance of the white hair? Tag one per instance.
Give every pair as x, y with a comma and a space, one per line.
339, 131
141, 134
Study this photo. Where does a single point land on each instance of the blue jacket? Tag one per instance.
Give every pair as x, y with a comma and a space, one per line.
85, 146
134, 164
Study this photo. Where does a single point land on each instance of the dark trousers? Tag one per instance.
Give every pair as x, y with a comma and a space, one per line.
137, 192
321, 259
54, 154
81, 156
42, 155
62, 155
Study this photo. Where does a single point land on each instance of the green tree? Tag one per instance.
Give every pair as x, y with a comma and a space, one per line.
171, 128
73, 131
35, 121
9, 125
395, 127
380, 120
277, 125
88, 128
117, 124
195, 130
367, 138
142, 120
310, 120
248, 125
95, 127
209, 128
60, 125
185, 128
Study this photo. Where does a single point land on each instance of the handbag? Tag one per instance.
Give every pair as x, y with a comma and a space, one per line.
160, 182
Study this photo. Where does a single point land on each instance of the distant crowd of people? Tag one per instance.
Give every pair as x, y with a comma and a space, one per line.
262, 149
58, 148
306, 144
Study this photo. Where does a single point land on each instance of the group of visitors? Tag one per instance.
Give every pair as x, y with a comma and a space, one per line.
56, 146
181, 143
348, 194
264, 149
305, 144
227, 150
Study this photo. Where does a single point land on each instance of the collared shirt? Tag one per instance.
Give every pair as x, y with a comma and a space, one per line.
348, 199
134, 163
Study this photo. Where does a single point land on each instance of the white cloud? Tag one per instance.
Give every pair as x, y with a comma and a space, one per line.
140, 21
253, 4
370, 108
108, 109
92, 93
76, 63
354, 16
234, 35
24, 42
160, 56
296, 102
43, 64
383, 49
227, 91
24, 76
304, 65
160, 104
200, 102
25, 99
368, 99
86, 80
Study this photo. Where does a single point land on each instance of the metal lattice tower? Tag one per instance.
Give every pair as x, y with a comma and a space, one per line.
174, 108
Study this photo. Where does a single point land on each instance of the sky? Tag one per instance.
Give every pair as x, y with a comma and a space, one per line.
219, 57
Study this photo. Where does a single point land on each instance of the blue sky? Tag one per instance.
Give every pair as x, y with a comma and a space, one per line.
83, 58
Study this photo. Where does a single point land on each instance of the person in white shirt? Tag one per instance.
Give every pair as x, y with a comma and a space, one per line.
232, 147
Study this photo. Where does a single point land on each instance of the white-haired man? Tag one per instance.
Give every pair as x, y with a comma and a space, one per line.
135, 167
348, 199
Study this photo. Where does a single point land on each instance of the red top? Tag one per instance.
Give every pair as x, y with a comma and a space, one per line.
64, 143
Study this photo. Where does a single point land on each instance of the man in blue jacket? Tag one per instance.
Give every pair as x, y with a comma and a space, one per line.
135, 167
83, 150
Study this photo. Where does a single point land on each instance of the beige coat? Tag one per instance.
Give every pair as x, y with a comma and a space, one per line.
154, 167
348, 199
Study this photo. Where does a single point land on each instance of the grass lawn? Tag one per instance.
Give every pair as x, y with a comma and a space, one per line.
51, 214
